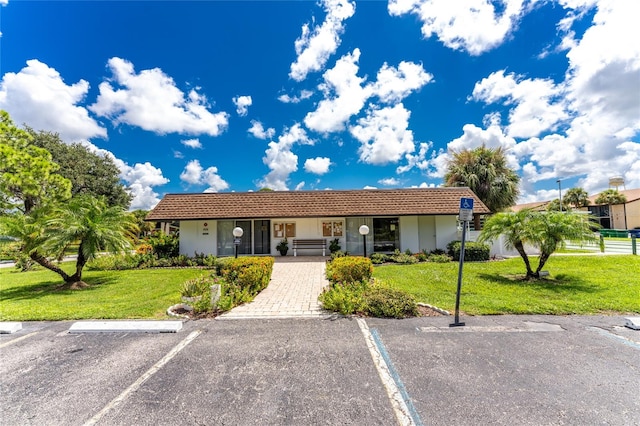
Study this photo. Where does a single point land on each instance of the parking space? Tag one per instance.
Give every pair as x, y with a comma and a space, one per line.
513, 370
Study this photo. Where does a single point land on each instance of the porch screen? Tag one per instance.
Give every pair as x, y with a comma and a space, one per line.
225, 238
354, 239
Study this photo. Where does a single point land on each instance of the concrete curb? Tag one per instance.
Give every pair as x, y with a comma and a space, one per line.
126, 327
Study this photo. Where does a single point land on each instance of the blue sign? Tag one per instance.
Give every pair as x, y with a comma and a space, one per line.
466, 203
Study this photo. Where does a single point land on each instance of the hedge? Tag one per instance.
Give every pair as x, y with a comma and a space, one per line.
473, 252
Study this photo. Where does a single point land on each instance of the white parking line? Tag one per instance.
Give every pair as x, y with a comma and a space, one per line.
17, 339
404, 415
150, 372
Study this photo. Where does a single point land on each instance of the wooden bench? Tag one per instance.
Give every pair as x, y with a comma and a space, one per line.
309, 244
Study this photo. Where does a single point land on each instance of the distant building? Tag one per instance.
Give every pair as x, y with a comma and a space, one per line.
617, 216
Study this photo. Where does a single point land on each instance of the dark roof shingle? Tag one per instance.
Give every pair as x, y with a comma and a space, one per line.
330, 203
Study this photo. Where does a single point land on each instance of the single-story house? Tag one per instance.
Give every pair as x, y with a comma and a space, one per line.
414, 219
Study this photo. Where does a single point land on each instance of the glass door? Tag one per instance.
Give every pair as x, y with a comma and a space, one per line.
386, 234
245, 240
262, 239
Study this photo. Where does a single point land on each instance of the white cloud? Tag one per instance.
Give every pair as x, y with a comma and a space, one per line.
195, 174
140, 179
4, 2
383, 134
471, 25
389, 182
369, 187
395, 84
191, 143
287, 99
258, 130
38, 96
583, 127
419, 160
242, 104
537, 108
281, 160
151, 100
345, 93
344, 96
315, 46
318, 165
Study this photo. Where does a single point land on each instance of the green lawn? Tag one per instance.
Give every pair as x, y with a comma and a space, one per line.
576, 285
145, 293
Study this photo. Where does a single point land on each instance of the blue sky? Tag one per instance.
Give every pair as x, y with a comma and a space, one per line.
239, 95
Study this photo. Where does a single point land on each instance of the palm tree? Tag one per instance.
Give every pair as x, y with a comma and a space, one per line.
485, 171
92, 223
547, 231
577, 197
513, 226
611, 196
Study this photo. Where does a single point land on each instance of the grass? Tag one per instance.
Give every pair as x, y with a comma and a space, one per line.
144, 293
576, 285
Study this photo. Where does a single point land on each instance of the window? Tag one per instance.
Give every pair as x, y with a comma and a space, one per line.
284, 230
332, 229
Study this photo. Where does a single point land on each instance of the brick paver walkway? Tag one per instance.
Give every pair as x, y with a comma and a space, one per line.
293, 291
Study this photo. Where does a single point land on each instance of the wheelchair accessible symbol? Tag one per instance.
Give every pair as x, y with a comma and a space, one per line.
466, 209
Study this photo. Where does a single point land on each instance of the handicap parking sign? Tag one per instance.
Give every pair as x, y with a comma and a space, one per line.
466, 209
466, 203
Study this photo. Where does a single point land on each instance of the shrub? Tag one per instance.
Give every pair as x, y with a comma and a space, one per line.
338, 253
349, 269
114, 262
378, 258
13, 250
144, 248
422, 256
252, 273
388, 302
473, 252
334, 245
201, 259
404, 258
369, 299
165, 245
439, 258
196, 286
346, 299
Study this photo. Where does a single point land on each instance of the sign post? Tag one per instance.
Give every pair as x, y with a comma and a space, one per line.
465, 215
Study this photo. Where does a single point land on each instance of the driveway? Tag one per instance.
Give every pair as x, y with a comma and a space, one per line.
505, 370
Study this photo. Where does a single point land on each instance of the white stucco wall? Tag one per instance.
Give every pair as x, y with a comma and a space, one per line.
409, 233
427, 230
416, 233
196, 237
446, 231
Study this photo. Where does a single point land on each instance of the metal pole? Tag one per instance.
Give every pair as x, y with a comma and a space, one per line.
560, 192
457, 322
364, 244
633, 244
236, 245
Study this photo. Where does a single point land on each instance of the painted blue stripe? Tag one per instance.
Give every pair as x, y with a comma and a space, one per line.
396, 377
616, 337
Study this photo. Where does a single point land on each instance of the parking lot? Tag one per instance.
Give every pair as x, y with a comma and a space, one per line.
515, 370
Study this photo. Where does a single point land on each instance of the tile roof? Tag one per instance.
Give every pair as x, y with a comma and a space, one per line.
280, 204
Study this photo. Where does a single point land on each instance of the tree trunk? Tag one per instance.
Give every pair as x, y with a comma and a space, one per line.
543, 259
43, 261
520, 248
77, 276
476, 222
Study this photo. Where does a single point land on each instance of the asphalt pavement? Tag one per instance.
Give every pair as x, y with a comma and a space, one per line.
505, 370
